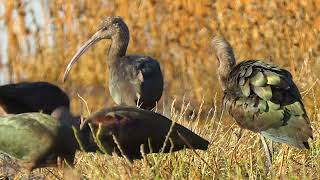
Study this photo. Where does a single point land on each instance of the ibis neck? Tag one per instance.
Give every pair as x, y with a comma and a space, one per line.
226, 59
226, 64
118, 47
225, 68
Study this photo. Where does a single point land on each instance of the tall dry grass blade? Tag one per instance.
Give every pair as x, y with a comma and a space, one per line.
78, 138
304, 93
85, 103
144, 156
251, 164
164, 145
268, 153
121, 151
197, 154
96, 138
53, 174
218, 124
282, 162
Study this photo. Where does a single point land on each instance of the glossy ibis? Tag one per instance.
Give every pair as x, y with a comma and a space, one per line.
262, 98
39, 140
133, 79
26, 97
132, 127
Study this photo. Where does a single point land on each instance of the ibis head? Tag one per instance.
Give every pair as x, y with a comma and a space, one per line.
225, 57
111, 28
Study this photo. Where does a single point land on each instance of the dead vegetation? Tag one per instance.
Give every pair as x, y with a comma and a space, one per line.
178, 34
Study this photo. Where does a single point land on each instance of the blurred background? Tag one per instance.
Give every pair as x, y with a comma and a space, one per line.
39, 37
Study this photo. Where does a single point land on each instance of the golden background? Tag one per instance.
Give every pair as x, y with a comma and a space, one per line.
178, 33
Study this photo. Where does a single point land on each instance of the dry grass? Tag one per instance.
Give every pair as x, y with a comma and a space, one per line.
178, 34
232, 154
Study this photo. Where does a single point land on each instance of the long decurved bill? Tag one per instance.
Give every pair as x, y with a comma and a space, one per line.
94, 39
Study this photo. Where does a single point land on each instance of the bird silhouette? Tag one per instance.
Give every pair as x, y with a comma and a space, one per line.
132, 127
262, 98
39, 140
133, 79
26, 97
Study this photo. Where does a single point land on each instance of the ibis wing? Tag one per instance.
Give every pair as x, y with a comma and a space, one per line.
24, 138
152, 84
145, 79
264, 98
32, 97
133, 127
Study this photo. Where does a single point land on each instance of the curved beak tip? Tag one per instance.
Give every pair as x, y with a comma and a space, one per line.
95, 38
64, 77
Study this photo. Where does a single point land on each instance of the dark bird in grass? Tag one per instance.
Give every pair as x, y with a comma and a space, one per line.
26, 97
262, 98
133, 79
132, 127
39, 140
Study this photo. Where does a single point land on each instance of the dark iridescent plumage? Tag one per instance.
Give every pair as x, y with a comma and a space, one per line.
262, 98
32, 97
132, 127
133, 79
37, 139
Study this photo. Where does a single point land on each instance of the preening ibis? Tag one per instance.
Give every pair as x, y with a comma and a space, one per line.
39, 140
132, 127
133, 79
262, 98
26, 97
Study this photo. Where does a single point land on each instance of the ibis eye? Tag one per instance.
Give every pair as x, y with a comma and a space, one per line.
104, 28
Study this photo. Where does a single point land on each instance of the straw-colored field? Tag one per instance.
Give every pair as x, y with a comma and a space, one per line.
178, 34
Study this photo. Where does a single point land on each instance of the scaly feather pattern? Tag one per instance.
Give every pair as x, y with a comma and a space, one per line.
263, 98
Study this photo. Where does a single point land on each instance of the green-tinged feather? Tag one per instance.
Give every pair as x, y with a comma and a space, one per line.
242, 72
248, 71
262, 106
295, 108
272, 117
273, 106
245, 89
242, 81
295, 132
272, 78
27, 136
279, 135
258, 79
241, 101
248, 115
264, 93
251, 106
